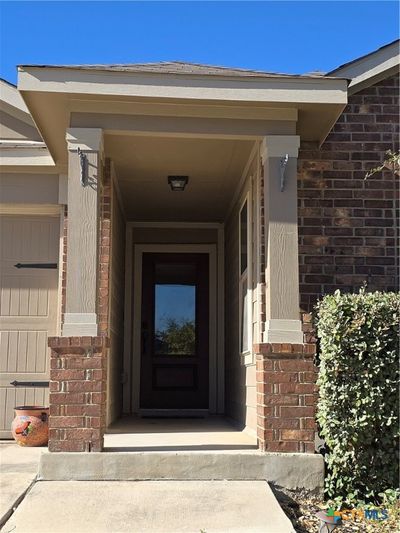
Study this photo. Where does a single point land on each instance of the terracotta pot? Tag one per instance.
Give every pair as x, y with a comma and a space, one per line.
30, 426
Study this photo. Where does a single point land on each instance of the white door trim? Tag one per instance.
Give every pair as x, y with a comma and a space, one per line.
128, 310
216, 373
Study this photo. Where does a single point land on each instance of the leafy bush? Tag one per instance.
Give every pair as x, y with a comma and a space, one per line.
358, 408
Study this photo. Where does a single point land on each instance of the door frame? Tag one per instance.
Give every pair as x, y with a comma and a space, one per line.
133, 323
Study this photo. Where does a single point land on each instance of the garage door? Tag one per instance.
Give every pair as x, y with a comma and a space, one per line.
28, 309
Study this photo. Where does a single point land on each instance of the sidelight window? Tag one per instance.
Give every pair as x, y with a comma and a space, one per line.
245, 303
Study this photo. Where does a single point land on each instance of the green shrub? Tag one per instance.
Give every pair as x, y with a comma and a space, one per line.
358, 408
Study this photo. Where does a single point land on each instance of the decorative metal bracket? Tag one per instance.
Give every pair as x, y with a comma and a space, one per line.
84, 167
283, 162
36, 265
29, 383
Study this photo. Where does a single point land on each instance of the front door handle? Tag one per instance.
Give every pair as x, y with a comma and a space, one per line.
145, 334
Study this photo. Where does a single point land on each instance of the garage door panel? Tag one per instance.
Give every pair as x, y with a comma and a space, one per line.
27, 294
23, 351
28, 239
28, 310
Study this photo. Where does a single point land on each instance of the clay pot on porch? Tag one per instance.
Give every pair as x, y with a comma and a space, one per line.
30, 426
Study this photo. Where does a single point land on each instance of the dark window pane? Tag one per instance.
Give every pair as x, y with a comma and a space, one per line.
243, 238
244, 333
175, 311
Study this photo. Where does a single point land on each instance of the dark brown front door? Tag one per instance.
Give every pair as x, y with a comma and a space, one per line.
175, 331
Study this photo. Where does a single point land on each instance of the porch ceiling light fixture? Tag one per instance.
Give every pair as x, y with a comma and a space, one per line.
178, 183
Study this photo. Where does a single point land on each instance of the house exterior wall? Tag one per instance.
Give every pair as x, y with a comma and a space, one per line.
347, 223
240, 375
24, 188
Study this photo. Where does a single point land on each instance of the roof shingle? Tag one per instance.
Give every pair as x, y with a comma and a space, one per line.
180, 67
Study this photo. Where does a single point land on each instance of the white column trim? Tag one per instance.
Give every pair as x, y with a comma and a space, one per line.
83, 233
77, 324
282, 278
278, 330
87, 139
279, 145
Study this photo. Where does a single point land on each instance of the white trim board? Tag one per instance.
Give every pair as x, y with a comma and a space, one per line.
25, 155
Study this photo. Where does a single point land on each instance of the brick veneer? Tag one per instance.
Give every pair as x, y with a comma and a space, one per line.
78, 364
105, 252
78, 367
64, 262
346, 223
286, 397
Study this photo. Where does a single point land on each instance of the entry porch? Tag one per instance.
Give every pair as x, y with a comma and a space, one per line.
180, 300
191, 309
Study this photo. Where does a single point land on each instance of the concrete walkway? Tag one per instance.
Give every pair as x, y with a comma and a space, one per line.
18, 468
149, 506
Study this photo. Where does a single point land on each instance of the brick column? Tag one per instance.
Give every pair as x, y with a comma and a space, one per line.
286, 397
77, 393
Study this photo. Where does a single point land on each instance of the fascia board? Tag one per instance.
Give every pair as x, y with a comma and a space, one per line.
296, 90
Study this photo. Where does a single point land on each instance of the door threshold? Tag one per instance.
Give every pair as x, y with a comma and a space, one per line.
173, 413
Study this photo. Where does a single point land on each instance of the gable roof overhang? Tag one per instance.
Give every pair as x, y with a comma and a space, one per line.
370, 68
20, 154
54, 94
11, 102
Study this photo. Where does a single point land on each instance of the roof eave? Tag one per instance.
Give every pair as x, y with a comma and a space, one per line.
152, 85
370, 68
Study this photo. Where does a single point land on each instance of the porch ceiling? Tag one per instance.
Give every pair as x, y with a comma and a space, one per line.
142, 164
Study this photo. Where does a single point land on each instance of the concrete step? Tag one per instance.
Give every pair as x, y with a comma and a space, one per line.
289, 470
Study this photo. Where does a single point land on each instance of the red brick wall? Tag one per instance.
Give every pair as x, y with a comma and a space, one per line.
78, 368
286, 397
104, 252
346, 223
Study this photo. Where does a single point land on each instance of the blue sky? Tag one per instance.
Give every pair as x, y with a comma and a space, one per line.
285, 36
183, 298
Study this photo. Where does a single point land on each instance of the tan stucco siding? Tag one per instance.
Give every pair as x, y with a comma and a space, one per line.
23, 188
11, 128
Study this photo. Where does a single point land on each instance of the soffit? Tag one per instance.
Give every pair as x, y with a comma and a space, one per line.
142, 165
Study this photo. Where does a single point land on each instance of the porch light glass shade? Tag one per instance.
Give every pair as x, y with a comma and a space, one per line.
178, 183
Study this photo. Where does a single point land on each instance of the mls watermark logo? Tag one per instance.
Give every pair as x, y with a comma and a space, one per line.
361, 514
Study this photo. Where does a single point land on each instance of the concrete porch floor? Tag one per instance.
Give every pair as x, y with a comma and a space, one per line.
213, 433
